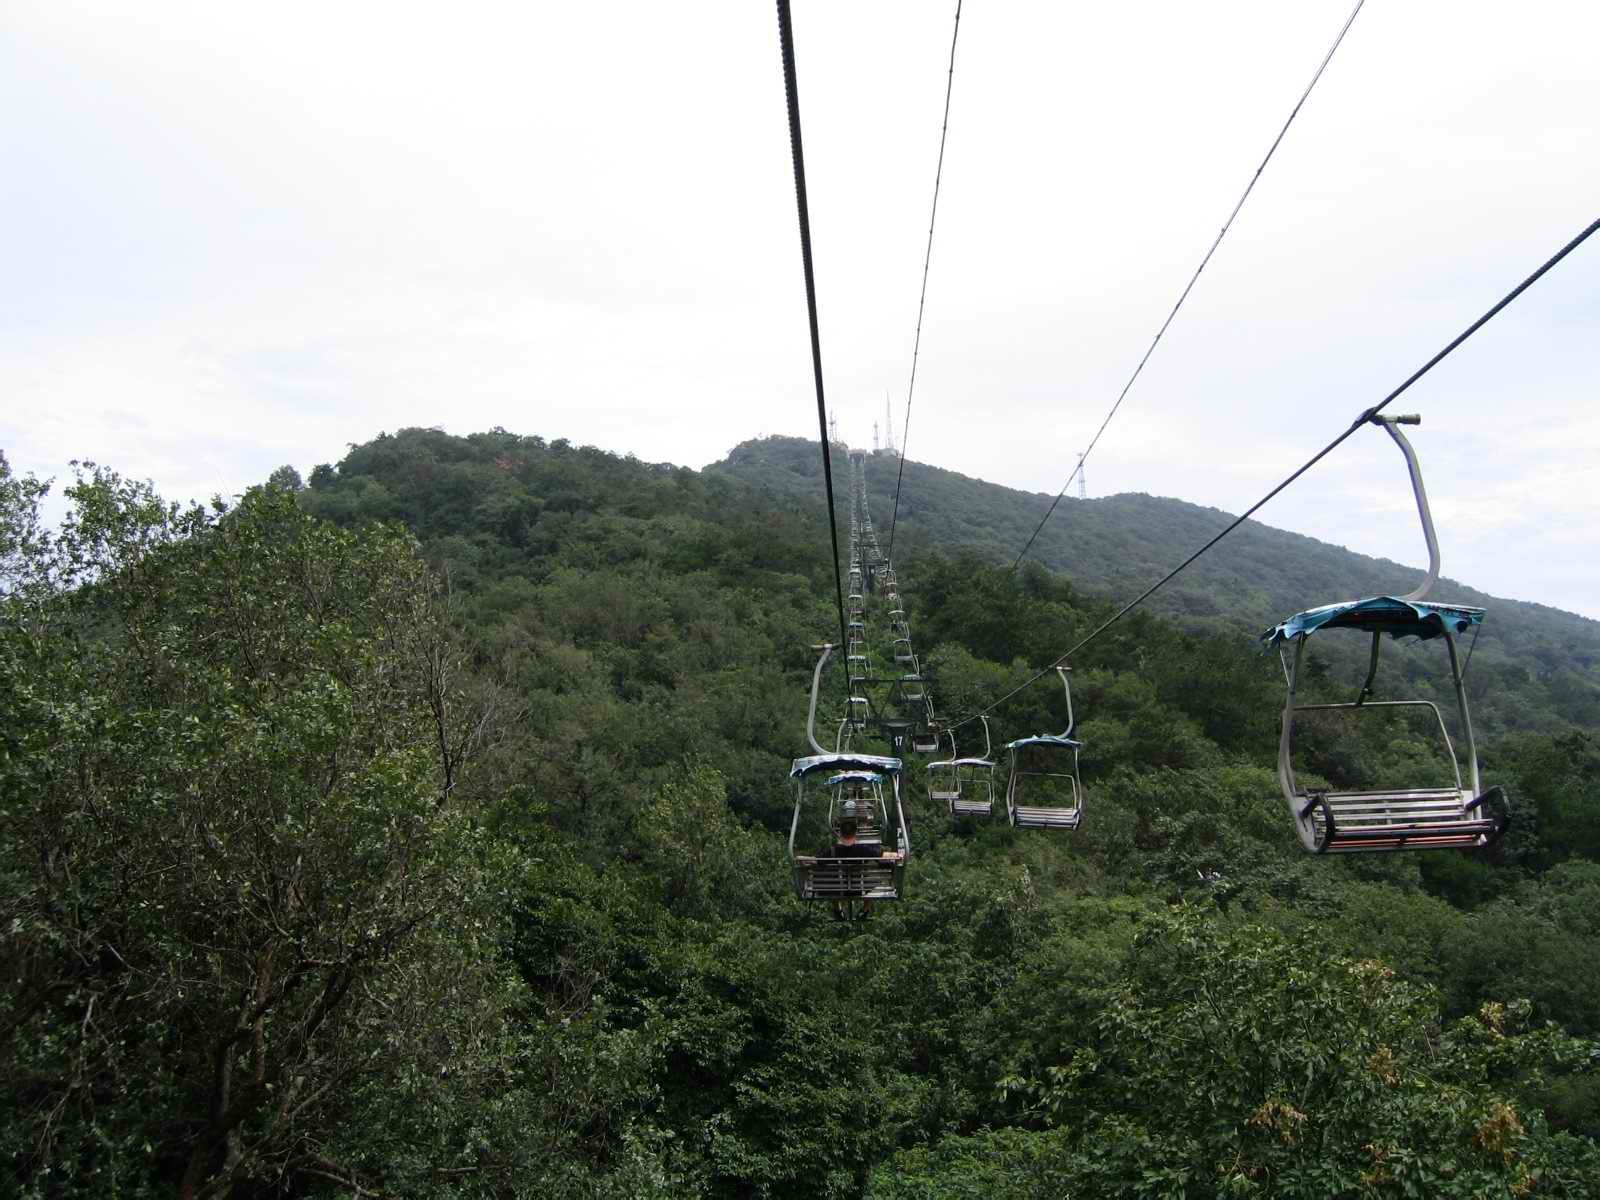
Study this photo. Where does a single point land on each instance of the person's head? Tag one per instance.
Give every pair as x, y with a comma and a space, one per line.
847, 827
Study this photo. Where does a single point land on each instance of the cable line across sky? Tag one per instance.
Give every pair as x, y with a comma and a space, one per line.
1369, 415
1193, 279
1361, 420
792, 92
922, 300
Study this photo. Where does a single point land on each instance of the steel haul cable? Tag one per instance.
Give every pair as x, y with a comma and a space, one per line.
1311, 462
1193, 279
792, 91
922, 300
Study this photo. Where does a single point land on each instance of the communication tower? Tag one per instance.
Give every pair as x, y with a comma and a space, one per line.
1083, 488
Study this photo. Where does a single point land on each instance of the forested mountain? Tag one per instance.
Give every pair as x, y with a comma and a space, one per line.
1534, 667
421, 832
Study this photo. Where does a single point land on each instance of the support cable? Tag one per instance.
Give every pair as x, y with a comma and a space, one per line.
1361, 420
792, 91
916, 346
1193, 279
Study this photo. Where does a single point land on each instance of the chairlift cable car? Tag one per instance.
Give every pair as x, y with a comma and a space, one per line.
1397, 818
965, 784
857, 876
925, 737
1045, 790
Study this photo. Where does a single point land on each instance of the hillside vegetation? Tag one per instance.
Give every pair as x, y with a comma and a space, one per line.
420, 831
1534, 667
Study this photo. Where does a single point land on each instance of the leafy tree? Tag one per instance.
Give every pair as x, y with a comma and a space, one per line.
22, 538
241, 885
286, 477
1244, 1063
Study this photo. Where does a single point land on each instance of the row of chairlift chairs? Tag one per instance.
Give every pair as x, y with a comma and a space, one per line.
909, 718
1044, 789
863, 791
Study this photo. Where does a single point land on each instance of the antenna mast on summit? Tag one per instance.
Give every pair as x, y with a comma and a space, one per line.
888, 425
1083, 488
874, 437
833, 428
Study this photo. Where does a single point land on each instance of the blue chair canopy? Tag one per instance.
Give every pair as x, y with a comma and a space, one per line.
872, 763
1045, 739
1379, 614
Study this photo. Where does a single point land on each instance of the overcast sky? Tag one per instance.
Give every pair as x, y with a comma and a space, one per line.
238, 235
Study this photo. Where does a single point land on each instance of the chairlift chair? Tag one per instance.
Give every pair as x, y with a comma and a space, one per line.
820, 877
911, 700
965, 784
858, 711
1334, 820
903, 654
858, 669
1045, 791
845, 879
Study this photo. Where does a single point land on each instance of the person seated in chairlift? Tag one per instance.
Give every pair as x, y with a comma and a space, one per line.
848, 847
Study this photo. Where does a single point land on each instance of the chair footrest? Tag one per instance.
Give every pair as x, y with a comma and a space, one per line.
1422, 819
1462, 831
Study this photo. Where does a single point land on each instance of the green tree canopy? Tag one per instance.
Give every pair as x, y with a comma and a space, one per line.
238, 878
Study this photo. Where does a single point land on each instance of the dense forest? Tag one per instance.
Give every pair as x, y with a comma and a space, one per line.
418, 830
1535, 667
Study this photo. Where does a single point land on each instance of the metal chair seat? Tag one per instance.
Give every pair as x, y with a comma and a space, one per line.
1413, 819
846, 879
1025, 817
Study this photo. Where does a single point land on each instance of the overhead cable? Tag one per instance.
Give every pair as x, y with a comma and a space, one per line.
792, 91
927, 257
1193, 279
1361, 420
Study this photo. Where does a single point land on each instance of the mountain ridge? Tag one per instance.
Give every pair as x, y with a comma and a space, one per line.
1114, 547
